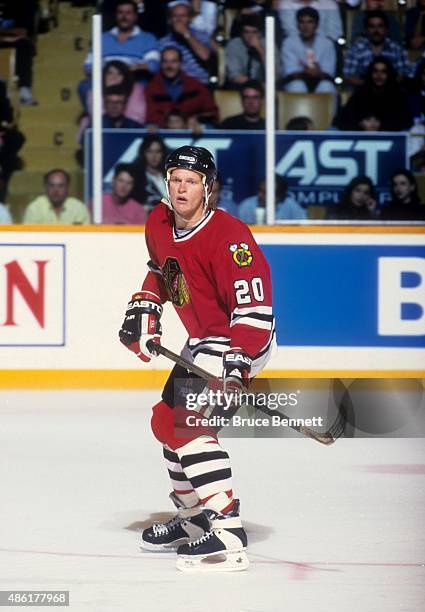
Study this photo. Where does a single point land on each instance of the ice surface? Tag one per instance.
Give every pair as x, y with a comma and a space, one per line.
331, 529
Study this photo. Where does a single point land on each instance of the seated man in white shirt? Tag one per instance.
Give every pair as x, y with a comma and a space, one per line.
330, 17
308, 58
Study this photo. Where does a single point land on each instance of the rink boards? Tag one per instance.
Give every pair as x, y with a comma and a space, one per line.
349, 301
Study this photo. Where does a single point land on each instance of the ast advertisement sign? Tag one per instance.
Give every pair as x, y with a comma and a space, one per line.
316, 165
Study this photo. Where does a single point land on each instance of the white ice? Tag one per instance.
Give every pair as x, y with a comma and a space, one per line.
331, 529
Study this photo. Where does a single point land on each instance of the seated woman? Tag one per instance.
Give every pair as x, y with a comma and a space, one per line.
357, 203
405, 204
148, 168
118, 206
381, 97
117, 73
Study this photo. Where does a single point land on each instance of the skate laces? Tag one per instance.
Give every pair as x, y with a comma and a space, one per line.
203, 538
160, 529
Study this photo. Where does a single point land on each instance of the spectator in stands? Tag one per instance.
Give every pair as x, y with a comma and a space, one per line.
405, 204
260, 9
148, 170
302, 123
252, 98
16, 33
176, 120
115, 102
253, 209
308, 58
414, 26
358, 202
56, 206
245, 55
171, 89
205, 16
127, 43
152, 15
194, 45
376, 43
358, 25
118, 206
11, 141
23, 14
330, 25
380, 98
222, 197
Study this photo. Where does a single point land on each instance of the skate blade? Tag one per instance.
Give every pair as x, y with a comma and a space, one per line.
217, 562
159, 548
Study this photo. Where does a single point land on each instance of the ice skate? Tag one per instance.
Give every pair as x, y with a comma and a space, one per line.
221, 549
188, 525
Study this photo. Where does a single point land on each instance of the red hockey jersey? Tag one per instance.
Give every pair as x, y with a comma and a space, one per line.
217, 279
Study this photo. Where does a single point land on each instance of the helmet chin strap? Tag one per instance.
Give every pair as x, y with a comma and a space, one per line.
207, 191
167, 200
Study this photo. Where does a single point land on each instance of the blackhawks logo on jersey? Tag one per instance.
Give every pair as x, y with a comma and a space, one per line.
242, 256
175, 282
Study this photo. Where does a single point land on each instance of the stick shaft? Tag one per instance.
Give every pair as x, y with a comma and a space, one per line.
159, 349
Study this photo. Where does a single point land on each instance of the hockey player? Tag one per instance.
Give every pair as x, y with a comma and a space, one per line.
207, 264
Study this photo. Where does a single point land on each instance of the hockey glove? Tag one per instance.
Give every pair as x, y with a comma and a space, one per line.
141, 324
236, 371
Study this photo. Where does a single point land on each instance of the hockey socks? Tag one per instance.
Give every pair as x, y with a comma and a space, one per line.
183, 490
207, 467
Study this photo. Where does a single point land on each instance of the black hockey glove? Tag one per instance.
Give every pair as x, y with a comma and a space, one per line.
236, 371
141, 323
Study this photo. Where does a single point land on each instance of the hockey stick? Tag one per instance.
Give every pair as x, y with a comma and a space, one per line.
328, 437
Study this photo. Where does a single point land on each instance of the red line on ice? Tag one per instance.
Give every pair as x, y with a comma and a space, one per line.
300, 568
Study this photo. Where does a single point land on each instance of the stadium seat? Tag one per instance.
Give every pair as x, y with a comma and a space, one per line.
7, 74
316, 213
319, 107
228, 102
420, 181
53, 9
7, 67
221, 66
391, 6
229, 16
349, 18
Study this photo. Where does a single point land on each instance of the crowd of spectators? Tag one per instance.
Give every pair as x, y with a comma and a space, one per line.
163, 61
135, 184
